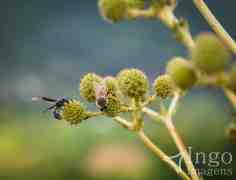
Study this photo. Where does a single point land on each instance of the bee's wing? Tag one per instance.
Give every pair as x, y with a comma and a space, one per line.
100, 89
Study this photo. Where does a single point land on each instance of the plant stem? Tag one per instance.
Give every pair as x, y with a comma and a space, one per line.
126, 109
155, 115
123, 122
177, 139
149, 100
136, 114
182, 149
173, 132
231, 96
167, 17
162, 155
173, 104
141, 13
95, 114
215, 24
180, 29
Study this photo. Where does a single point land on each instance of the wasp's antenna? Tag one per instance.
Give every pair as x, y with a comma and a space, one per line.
38, 98
49, 99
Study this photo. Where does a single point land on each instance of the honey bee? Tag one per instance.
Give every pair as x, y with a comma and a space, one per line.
57, 104
101, 95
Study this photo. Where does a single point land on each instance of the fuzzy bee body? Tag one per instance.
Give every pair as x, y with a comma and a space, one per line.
101, 102
101, 96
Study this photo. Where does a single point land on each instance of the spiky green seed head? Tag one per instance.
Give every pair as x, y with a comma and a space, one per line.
73, 112
231, 80
87, 86
136, 4
182, 72
111, 85
113, 106
133, 83
164, 86
210, 55
113, 10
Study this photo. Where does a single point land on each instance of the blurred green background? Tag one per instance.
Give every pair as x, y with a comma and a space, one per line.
45, 48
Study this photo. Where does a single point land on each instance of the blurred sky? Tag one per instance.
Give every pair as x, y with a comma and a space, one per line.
46, 46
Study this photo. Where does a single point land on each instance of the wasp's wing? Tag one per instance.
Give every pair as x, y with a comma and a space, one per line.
51, 107
37, 98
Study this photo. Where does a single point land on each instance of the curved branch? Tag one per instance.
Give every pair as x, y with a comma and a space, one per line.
162, 155
215, 24
231, 96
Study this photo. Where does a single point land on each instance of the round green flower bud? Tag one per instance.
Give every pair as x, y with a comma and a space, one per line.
113, 106
231, 80
136, 4
113, 10
182, 72
210, 55
164, 86
73, 112
133, 83
87, 86
111, 85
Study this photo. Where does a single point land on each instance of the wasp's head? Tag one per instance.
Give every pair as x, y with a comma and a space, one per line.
61, 101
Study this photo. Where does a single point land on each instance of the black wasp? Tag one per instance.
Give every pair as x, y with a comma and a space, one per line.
57, 104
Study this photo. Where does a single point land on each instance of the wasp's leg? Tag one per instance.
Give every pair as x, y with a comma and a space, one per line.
57, 115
